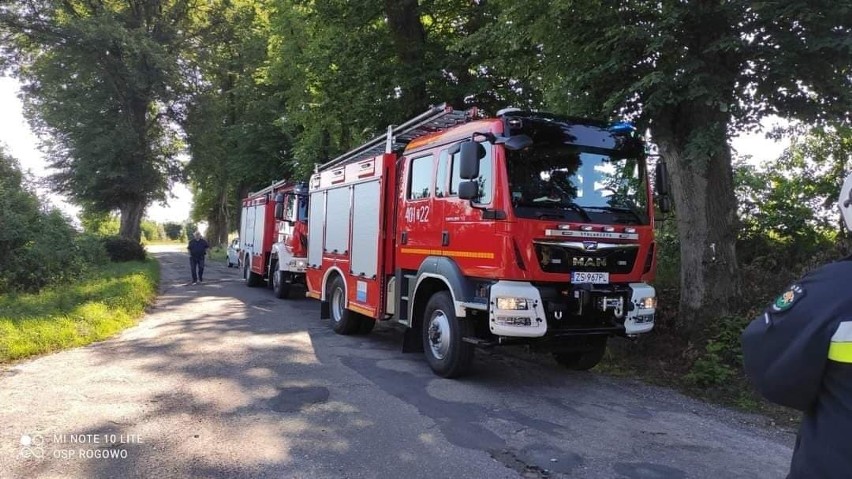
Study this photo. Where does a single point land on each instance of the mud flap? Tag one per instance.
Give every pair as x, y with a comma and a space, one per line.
412, 341
325, 310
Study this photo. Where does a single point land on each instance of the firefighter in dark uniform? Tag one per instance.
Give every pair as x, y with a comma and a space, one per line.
799, 354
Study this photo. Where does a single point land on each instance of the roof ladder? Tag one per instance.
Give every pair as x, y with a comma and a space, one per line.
436, 118
275, 185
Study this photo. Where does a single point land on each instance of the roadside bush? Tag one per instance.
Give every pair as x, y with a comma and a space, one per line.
122, 249
90, 249
173, 231
722, 357
152, 231
38, 247
48, 256
99, 223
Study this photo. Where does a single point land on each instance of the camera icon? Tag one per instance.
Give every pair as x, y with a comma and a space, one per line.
32, 446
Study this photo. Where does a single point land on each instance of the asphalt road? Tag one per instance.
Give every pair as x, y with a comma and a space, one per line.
220, 380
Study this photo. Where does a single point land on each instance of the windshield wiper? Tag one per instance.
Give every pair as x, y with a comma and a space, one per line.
620, 209
579, 209
567, 206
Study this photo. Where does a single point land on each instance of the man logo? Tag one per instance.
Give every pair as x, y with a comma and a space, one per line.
588, 262
590, 245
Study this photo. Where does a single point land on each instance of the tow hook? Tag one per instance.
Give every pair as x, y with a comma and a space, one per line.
615, 304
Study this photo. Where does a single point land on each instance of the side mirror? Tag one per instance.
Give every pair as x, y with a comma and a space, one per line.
279, 211
661, 179
468, 190
662, 187
470, 154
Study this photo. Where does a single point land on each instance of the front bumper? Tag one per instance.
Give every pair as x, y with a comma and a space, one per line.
295, 265
517, 309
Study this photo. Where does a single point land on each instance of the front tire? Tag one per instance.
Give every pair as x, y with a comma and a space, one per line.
446, 352
280, 288
583, 360
343, 321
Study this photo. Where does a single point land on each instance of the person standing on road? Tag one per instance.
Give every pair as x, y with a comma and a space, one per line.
799, 354
197, 251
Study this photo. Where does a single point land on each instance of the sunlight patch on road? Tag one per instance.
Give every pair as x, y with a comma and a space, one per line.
222, 394
249, 444
260, 373
427, 438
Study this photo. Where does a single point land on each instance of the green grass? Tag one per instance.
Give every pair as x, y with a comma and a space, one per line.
111, 298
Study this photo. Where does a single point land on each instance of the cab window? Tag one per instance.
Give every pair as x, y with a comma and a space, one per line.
441, 176
420, 178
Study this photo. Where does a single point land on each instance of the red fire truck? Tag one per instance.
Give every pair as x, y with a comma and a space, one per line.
273, 245
525, 228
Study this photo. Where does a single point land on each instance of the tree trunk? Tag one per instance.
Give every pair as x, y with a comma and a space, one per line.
409, 39
131, 219
217, 220
699, 161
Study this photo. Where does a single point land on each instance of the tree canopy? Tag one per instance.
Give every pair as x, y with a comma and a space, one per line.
100, 82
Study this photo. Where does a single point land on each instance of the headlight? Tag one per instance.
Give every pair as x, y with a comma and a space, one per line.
647, 303
512, 303
298, 264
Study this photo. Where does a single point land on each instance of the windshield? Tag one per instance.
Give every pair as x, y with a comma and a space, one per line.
568, 183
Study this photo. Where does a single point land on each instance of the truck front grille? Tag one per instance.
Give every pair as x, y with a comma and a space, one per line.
554, 257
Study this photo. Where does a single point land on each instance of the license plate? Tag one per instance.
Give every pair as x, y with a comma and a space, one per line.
580, 277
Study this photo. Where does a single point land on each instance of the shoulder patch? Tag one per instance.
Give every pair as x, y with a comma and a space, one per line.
787, 299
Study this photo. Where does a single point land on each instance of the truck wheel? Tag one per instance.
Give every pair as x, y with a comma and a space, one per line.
583, 360
280, 288
446, 353
343, 321
252, 278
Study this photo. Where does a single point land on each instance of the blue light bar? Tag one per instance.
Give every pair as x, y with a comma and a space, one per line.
622, 127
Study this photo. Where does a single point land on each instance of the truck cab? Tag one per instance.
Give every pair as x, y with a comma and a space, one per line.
289, 252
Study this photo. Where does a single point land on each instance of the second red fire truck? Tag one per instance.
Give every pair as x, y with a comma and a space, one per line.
525, 228
273, 243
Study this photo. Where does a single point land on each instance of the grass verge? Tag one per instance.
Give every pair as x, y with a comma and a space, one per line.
111, 298
217, 253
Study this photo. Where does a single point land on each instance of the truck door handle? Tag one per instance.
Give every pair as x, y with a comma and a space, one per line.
445, 238
404, 238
